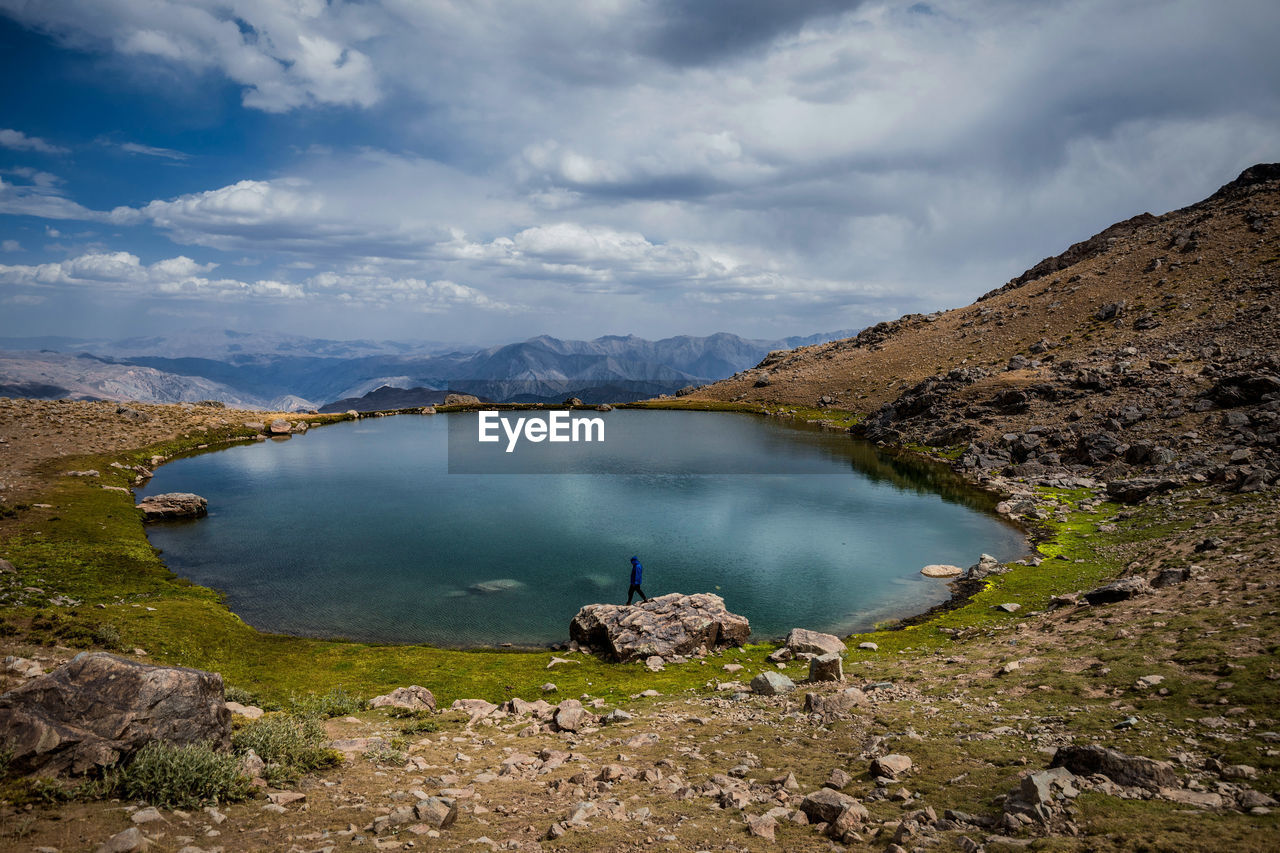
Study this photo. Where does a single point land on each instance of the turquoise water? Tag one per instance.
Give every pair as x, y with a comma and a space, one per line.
358, 530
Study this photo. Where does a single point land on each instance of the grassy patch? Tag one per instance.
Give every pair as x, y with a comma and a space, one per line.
335, 703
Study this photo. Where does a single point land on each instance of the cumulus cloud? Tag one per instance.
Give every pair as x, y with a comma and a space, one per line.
16, 140
181, 277
285, 54
598, 259
10, 246
285, 214
125, 273
430, 297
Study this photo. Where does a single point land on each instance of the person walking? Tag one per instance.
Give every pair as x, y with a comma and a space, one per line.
637, 571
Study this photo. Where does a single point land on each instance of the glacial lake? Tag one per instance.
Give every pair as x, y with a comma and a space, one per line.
359, 530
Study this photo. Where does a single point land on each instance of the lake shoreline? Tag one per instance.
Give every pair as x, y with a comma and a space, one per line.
882, 469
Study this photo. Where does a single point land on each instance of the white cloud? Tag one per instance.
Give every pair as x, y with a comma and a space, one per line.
417, 294
10, 246
182, 277
285, 214
19, 141
285, 53
245, 203
152, 151
124, 272
44, 201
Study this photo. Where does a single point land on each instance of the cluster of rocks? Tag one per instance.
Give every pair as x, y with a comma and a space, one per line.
1044, 797
277, 427
1120, 423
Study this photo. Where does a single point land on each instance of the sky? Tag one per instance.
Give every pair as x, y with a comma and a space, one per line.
488, 171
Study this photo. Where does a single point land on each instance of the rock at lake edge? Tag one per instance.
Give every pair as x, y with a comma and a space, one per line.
173, 505
98, 709
668, 625
939, 570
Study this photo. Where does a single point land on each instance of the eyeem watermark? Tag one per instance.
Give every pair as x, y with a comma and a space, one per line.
558, 426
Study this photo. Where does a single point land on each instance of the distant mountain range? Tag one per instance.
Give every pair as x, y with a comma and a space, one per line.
286, 372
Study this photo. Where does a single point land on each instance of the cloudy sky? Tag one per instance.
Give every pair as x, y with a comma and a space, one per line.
491, 170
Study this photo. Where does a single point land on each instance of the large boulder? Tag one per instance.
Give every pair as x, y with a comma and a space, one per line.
1121, 590
825, 805
803, 641
668, 625
1129, 770
1243, 389
770, 683
99, 709
826, 668
1139, 489
173, 505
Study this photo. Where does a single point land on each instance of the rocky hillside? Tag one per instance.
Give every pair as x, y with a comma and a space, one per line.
1150, 348
53, 376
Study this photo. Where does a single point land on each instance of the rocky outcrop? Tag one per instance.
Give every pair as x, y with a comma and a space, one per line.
1140, 488
1122, 769
1121, 590
99, 709
673, 624
411, 698
173, 505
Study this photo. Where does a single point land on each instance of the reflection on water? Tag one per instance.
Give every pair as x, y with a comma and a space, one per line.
362, 532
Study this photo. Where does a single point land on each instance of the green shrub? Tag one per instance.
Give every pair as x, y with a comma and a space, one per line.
179, 776
336, 703
420, 725
290, 745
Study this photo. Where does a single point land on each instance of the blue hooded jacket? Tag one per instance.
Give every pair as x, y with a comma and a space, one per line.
636, 571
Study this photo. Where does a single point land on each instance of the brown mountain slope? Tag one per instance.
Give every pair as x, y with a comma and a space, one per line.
1138, 333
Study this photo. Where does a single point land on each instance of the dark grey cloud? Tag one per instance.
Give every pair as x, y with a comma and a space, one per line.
702, 32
